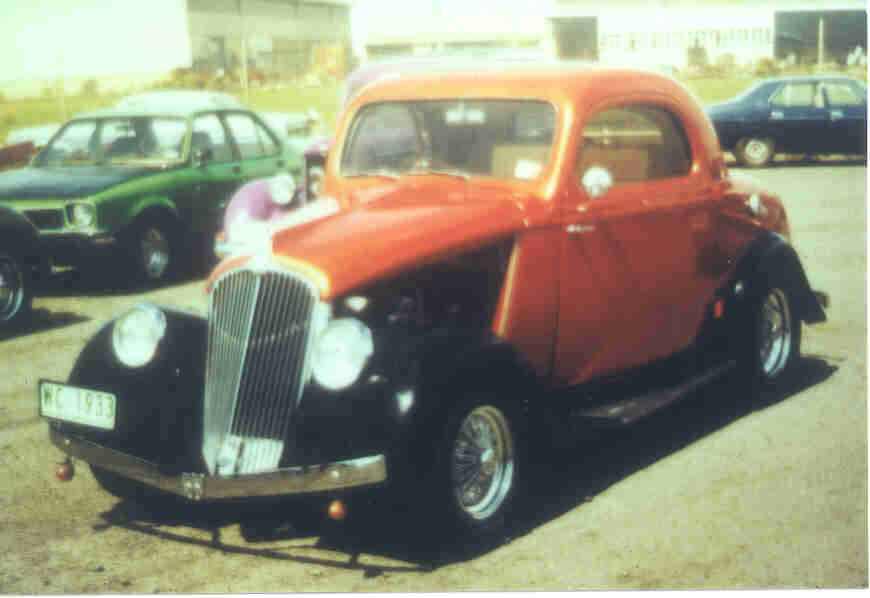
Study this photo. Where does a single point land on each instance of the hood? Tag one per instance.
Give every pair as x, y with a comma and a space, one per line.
396, 227
65, 181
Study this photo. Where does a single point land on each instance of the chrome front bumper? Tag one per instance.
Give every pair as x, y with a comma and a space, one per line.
340, 475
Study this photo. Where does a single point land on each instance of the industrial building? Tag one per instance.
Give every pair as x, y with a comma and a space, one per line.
284, 37
653, 33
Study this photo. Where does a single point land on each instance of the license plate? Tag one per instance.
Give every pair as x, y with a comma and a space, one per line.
77, 405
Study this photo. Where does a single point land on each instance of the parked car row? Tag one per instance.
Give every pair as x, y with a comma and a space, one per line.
497, 257
147, 180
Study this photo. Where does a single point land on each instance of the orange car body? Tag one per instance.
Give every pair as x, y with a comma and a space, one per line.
594, 285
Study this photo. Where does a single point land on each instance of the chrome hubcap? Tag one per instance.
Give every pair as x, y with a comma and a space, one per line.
155, 253
11, 288
775, 333
756, 150
483, 462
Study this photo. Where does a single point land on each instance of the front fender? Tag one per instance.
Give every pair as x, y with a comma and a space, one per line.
17, 233
159, 406
118, 213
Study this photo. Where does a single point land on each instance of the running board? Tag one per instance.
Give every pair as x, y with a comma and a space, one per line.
628, 411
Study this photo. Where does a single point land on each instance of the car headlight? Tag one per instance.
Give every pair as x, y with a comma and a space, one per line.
341, 352
82, 214
282, 187
137, 333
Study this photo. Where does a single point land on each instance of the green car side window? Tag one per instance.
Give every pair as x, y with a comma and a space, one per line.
209, 133
251, 137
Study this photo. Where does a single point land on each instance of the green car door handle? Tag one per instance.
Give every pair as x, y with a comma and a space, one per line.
237, 169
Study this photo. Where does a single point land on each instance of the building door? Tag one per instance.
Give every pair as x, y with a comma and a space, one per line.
576, 37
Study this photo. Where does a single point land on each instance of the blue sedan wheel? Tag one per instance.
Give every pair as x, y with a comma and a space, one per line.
754, 151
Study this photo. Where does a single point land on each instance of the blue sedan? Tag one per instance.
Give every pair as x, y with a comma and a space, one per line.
797, 115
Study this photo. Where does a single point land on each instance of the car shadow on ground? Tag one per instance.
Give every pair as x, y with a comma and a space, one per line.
560, 480
42, 320
108, 282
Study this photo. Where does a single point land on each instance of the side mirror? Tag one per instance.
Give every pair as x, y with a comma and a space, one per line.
202, 155
597, 180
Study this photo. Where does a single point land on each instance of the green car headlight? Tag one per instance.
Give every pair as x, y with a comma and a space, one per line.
341, 352
137, 333
82, 214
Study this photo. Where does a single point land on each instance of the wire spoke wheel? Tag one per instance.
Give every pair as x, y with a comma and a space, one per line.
482, 462
154, 253
12, 288
775, 333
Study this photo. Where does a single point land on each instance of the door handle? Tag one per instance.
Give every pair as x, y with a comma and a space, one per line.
579, 229
836, 114
237, 169
777, 115
280, 163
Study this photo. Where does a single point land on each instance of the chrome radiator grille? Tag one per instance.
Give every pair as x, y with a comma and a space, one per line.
260, 328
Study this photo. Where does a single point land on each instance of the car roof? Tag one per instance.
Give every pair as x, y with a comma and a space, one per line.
177, 103
551, 80
808, 78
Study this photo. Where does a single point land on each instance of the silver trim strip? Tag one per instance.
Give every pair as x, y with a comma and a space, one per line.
339, 475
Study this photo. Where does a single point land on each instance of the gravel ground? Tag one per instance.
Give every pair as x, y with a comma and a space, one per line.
712, 493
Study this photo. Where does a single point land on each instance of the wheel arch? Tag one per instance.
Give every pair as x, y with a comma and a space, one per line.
151, 207
458, 364
772, 255
19, 235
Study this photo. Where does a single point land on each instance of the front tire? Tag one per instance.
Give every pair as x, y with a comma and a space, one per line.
16, 292
153, 250
754, 152
478, 464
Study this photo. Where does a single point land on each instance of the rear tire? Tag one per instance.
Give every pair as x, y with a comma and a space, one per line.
754, 152
772, 337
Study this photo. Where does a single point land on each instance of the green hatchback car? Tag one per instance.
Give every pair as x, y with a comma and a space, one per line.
146, 181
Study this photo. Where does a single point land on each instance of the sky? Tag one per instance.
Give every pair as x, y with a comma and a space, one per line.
44, 38
48, 38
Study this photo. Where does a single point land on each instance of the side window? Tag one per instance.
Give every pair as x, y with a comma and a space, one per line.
208, 133
798, 94
635, 143
384, 137
841, 95
251, 137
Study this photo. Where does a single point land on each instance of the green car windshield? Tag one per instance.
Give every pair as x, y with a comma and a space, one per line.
135, 141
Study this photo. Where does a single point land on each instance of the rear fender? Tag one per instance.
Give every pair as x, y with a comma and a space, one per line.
772, 255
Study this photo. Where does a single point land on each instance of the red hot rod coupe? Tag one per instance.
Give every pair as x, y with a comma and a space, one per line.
502, 245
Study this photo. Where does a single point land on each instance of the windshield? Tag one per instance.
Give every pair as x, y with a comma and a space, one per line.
497, 138
139, 141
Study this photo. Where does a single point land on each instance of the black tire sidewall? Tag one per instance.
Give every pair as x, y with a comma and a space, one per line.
749, 358
440, 491
23, 314
740, 152
167, 227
